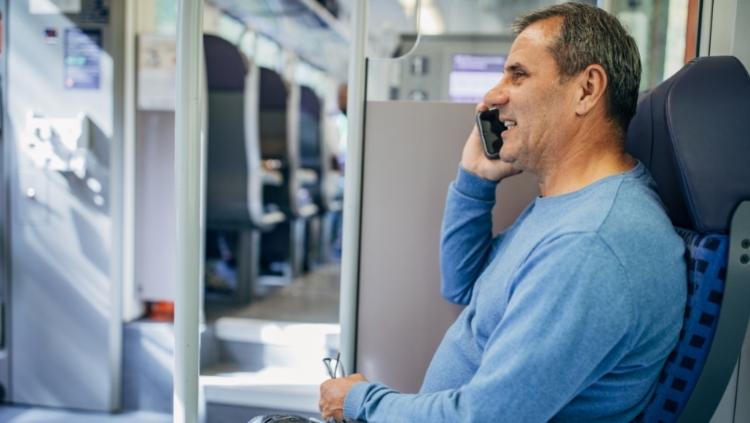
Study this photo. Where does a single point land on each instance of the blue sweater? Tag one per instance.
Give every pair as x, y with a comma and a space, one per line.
571, 312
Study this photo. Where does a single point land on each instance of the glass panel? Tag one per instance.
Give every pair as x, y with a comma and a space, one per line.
387, 20
458, 48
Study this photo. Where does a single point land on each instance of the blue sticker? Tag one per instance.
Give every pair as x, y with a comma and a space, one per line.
82, 59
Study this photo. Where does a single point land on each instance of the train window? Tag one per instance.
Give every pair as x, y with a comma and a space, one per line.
665, 31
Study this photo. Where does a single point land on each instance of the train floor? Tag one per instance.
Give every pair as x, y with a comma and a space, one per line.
311, 298
268, 354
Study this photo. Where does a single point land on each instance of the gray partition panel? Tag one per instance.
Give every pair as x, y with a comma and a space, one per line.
155, 262
411, 155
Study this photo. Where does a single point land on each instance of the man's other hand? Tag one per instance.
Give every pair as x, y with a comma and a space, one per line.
474, 160
333, 393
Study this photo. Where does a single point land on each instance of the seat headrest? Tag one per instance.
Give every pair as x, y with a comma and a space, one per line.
692, 132
226, 67
309, 102
273, 91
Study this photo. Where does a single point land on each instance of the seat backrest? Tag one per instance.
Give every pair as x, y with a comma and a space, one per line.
310, 147
227, 171
690, 131
310, 136
274, 117
273, 97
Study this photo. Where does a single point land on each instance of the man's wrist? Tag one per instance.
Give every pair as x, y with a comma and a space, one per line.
475, 186
478, 172
354, 399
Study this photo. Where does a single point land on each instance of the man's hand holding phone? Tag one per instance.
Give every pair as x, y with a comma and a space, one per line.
475, 155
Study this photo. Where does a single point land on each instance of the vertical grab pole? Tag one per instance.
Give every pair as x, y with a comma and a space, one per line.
188, 186
353, 184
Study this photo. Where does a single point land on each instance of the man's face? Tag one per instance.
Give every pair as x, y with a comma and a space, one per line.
536, 106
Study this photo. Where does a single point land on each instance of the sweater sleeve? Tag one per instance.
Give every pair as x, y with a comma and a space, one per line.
466, 236
566, 325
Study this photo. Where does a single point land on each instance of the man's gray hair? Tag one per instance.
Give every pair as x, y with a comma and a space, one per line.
590, 35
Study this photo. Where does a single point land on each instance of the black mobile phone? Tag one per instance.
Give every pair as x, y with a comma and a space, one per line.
490, 127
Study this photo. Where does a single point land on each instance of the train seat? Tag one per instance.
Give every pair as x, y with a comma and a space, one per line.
310, 145
690, 131
234, 177
313, 152
278, 119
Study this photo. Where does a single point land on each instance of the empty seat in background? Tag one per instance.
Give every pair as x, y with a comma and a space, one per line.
235, 212
310, 145
318, 176
312, 175
283, 248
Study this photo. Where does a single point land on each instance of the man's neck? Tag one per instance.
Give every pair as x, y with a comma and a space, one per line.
584, 163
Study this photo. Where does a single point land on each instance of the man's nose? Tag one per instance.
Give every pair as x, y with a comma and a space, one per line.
497, 96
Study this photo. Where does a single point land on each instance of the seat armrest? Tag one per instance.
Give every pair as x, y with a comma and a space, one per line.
307, 176
308, 210
272, 177
334, 205
271, 219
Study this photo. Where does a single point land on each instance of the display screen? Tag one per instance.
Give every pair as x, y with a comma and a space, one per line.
472, 75
82, 66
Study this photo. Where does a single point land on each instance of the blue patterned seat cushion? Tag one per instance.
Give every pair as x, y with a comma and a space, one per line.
706, 256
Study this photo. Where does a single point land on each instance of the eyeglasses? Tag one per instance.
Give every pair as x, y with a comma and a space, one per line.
335, 369
334, 366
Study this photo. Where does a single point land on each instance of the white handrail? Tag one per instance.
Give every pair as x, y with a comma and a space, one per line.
353, 184
188, 138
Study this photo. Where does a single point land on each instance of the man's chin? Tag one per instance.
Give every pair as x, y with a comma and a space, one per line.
518, 166
507, 158
512, 160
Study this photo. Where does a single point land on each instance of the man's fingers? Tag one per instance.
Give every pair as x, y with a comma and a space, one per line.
333, 394
481, 107
336, 413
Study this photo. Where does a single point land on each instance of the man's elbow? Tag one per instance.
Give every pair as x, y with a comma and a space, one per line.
460, 296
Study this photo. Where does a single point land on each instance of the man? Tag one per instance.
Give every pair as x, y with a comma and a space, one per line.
572, 311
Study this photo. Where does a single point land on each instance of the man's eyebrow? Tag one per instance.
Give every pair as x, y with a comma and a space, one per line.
515, 67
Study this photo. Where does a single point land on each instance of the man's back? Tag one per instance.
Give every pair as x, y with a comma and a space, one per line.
575, 306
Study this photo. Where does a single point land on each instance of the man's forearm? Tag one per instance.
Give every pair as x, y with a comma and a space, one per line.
376, 403
466, 237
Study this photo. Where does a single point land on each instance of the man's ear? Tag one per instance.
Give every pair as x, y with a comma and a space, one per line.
592, 83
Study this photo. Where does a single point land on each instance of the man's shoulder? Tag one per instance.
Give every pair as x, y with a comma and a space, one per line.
637, 216
626, 218
621, 210
640, 234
